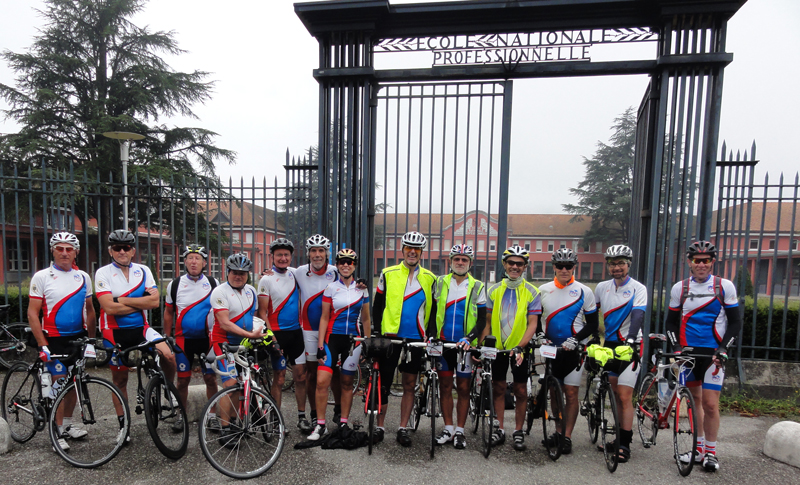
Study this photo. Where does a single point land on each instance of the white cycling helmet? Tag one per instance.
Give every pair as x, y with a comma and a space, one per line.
619, 251
281, 243
66, 238
414, 239
463, 250
318, 241
516, 251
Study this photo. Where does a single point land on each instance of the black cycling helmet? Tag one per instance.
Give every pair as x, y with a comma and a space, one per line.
565, 256
281, 243
238, 262
122, 236
701, 247
195, 248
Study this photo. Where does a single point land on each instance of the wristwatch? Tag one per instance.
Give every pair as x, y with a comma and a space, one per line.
116, 300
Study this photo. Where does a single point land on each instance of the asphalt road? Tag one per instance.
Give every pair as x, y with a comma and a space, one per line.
740, 444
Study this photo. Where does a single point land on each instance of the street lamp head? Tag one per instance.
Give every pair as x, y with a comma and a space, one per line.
123, 135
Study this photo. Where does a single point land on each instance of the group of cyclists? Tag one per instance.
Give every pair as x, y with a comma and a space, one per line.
313, 312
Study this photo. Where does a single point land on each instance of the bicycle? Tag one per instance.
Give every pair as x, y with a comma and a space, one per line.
665, 396
255, 431
16, 344
600, 404
97, 401
164, 412
482, 398
545, 399
374, 348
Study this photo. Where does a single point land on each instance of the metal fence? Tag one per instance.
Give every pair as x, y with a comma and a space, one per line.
754, 230
237, 216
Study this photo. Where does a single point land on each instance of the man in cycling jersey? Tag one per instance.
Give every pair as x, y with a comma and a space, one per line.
460, 317
62, 295
513, 307
190, 312
623, 300
126, 290
570, 318
234, 304
279, 307
403, 308
704, 315
345, 314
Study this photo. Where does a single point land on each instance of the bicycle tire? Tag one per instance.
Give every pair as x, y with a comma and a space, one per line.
552, 416
590, 410
418, 408
10, 337
609, 426
21, 396
97, 415
684, 431
486, 418
372, 408
433, 399
647, 410
161, 417
474, 400
257, 439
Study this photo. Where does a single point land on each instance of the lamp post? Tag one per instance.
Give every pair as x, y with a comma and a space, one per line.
124, 139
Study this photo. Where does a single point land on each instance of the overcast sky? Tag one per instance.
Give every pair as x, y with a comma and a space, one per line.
266, 100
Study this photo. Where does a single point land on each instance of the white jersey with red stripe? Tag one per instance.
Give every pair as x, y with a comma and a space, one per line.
563, 309
110, 280
193, 316
312, 285
346, 303
617, 303
63, 295
283, 308
241, 307
703, 318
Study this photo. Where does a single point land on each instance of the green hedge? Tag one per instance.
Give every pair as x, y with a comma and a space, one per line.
776, 332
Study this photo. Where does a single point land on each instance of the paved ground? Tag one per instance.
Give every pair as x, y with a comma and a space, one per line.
741, 441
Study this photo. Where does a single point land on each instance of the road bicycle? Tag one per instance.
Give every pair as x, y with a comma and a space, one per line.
164, 412
545, 398
373, 349
242, 432
599, 404
664, 397
481, 402
16, 344
96, 405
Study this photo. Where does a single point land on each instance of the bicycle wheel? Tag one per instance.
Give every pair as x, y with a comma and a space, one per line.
433, 400
647, 410
551, 413
21, 397
95, 413
486, 417
474, 401
165, 416
609, 426
372, 408
17, 345
684, 431
589, 409
252, 437
289, 379
418, 408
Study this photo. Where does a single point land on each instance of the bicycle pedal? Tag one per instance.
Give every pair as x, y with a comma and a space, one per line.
139, 410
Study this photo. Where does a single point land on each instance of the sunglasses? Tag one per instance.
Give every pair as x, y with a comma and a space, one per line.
346, 262
701, 260
118, 248
64, 249
564, 266
520, 264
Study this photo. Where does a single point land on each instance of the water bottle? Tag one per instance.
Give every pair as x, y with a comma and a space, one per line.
47, 383
57, 385
663, 392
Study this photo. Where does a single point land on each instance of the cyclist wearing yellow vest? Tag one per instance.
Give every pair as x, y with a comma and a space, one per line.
460, 317
403, 307
512, 316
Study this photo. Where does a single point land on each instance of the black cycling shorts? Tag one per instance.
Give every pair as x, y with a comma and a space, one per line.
292, 344
389, 362
500, 369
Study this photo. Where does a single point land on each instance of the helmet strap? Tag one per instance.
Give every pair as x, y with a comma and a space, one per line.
120, 265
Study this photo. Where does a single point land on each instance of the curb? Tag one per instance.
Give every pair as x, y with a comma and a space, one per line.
782, 443
5, 437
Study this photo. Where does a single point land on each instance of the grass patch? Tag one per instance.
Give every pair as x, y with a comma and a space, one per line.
745, 405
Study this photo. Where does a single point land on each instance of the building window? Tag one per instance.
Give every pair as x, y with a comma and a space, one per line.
563, 245
213, 266
458, 242
492, 246
248, 237
754, 244
598, 247
539, 246
794, 244
19, 259
597, 274
481, 245
586, 271
447, 245
435, 246
390, 243
548, 269
771, 244
537, 269
550, 246
57, 218
167, 266
528, 246
586, 248
235, 237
